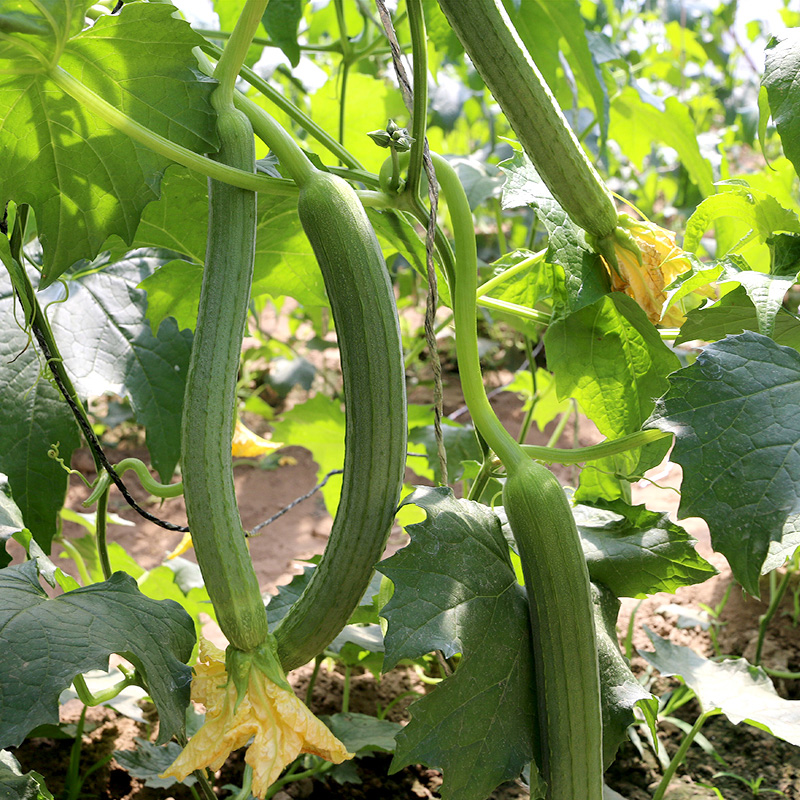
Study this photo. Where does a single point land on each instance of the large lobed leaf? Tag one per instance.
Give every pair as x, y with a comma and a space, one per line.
122, 356
780, 78
635, 552
585, 279
47, 642
32, 422
742, 692
735, 414
610, 357
456, 591
85, 180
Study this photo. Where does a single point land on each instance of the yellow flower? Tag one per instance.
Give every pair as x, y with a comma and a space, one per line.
661, 262
247, 444
282, 727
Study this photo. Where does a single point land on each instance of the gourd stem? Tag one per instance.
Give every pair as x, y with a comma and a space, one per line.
678, 758
466, 284
164, 147
235, 52
293, 112
419, 116
577, 455
501, 58
268, 130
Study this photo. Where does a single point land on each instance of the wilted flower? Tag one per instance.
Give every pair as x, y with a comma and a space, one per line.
250, 704
661, 262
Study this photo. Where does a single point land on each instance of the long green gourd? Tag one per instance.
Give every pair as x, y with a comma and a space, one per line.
556, 577
365, 315
493, 45
209, 400
368, 332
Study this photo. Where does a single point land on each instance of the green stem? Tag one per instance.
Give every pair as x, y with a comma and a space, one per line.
527, 420
72, 782
149, 483
89, 699
483, 416
679, 757
313, 679
334, 47
577, 455
294, 113
235, 52
80, 564
288, 152
502, 244
100, 524
542, 317
419, 113
776, 596
559, 429
164, 147
526, 264
481, 481
343, 101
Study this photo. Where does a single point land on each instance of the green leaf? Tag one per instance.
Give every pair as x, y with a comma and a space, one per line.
440, 34
84, 180
609, 479
547, 406
785, 548
734, 413
611, 358
478, 726
122, 356
10, 518
780, 78
636, 125
362, 734
567, 18
317, 425
37, 418
621, 690
733, 314
46, 642
161, 583
586, 279
765, 290
527, 286
761, 213
635, 552
460, 444
742, 692
281, 20
173, 290
38, 29
16, 786
284, 265
148, 761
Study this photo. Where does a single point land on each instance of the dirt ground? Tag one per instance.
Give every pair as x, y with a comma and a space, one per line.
303, 532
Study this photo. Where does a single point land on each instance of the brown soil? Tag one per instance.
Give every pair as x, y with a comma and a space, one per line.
302, 533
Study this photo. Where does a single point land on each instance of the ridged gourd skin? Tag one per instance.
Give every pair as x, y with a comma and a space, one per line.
368, 332
492, 43
210, 395
563, 630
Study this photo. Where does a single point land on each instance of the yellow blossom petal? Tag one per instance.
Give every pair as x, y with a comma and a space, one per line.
282, 727
662, 262
247, 444
183, 545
